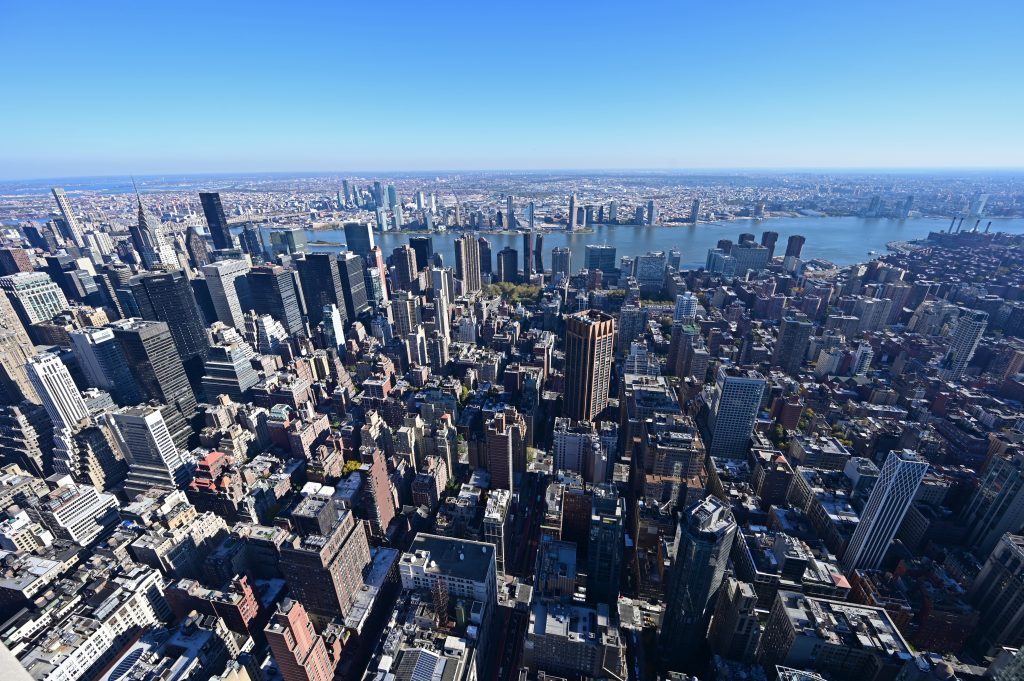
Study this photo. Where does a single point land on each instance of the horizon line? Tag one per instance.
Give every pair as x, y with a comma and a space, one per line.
714, 170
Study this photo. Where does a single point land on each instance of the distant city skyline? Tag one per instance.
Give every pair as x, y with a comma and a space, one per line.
191, 89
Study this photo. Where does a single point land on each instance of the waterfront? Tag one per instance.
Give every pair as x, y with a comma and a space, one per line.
843, 241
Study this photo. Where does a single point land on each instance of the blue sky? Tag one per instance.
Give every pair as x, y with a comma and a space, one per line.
169, 87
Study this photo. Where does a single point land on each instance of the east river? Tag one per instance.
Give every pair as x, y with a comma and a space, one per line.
843, 241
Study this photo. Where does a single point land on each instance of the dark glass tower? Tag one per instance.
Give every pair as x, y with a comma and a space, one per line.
151, 354
272, 289
321, 284
353, 285
424, 247
169, 298
215, 218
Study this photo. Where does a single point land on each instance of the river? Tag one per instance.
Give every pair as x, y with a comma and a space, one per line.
843, 241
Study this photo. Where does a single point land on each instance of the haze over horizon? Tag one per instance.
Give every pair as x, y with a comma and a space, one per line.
195, 88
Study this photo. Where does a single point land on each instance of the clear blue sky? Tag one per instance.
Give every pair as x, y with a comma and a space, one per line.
165, 87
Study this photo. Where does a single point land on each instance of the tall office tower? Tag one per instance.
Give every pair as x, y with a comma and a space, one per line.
57, 391
169, 298
561, 260
359, 238
652, 212
510, 211
153, 459
970, 327
403, 259
735, 629
467, 262
686, 308
423, 246
599, 257
26, 438
527, 255
695, 211
538, 254
35, 296
605, 545
375, 261
326, 559
589, 349
406, 312
572, 212
353, 284
346, 192
998, 592
768, 240
272, 289
334, 326
506, 447
14, 260
216, 220
613, 212
149, 240
508, 263
890, 498
392, 196
321, 284
151, 354
997, 505
485, 256
104, 364
735, 402
531, 210
791, 345
74, 229
90, 456
443, 287
703, 541
496, 525
300, 652
795, 246
229, 365
379, 196
77, 513
15, 349
221, 278
862, 359
251, 242
195, 246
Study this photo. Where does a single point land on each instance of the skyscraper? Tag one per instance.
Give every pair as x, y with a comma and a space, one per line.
423, 246
299, 651
35, 297
538, 253
686, 308
527, 255
321, 284
508, 262
998, 592
403, 259
791, 346
153, 458
222, 278
153, 359
695, 211
768, 240
795, 246
561, 260
104, 364
15, 349
57, 391
970, 327
169, 298
589, 349
506, 447
599, 257
353, 284
703, 541
359, 238
467, 262
74, 229
997, 505
735, 402
572, 212
891, 497
272, 289
605, 545
652, 212
216, 220
485, 256
510, 212
149, 240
